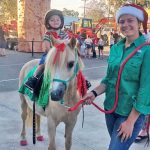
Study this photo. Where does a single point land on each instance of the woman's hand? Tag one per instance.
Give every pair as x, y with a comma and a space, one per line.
88, 98
125, 130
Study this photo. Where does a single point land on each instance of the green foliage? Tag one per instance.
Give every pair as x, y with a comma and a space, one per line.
144, 3
114, 5
97, 11
102, 9
8, 10
68, 12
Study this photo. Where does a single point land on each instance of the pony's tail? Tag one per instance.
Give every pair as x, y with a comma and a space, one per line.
29, 117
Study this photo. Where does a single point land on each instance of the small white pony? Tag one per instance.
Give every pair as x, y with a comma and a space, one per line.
63, 77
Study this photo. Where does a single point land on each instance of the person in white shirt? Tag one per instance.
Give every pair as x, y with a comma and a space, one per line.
101, 47
88, 43
111, 40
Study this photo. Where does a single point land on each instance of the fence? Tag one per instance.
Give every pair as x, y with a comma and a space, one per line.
14, 42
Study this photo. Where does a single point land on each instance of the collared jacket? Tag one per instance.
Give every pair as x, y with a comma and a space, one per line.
134, 89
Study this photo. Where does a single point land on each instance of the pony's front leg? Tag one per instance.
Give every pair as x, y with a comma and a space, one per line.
23, 141
68, 133
38, 130
51, 133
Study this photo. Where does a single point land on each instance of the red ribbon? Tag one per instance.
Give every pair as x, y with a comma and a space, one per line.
59, 48
54, 34
75, 107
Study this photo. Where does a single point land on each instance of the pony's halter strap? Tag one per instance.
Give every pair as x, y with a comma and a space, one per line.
76, 69
59, 48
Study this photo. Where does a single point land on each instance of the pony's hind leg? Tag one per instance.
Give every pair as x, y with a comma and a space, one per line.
23, 141
38, 131
68, 134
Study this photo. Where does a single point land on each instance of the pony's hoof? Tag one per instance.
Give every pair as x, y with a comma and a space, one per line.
23, 142
40, 138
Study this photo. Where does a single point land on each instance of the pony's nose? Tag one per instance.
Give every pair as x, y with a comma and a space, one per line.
57, 94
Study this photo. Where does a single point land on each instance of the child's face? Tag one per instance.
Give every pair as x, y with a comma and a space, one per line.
55, 21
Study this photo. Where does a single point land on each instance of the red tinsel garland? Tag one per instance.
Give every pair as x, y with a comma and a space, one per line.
81, 84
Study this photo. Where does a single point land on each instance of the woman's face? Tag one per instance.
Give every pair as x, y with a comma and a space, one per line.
129, 26
55, 21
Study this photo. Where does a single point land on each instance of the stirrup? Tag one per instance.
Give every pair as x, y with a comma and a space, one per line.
31, 83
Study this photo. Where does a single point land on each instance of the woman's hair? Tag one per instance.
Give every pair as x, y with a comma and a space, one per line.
51, 13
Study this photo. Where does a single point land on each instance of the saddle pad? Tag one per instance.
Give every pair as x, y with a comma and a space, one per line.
43, 98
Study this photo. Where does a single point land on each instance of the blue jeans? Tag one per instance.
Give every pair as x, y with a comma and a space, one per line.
43, 58
113, 122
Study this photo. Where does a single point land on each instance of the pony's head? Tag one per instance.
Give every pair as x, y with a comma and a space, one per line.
61, 68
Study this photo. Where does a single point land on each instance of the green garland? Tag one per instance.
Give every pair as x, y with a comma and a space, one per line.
45, 88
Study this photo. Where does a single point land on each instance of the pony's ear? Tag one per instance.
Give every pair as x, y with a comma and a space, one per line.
72, 42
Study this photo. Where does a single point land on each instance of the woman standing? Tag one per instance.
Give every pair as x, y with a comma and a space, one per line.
2, 42
101, 47
111, 40
88, 43
127, 119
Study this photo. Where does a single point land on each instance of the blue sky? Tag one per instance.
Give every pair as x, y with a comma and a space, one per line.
76, 5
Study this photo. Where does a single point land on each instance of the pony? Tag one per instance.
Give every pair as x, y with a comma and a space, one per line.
63, 66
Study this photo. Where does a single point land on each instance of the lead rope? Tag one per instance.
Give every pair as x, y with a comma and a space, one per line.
34, 123
117, 86
83, 114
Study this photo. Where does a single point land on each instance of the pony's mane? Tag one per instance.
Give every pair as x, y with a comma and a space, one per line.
49, 63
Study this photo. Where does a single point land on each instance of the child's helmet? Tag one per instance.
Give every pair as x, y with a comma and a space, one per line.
51, 13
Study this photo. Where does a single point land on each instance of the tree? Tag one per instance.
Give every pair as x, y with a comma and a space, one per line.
8, 10
144, 3
97, 11
102, 8
68, 12
114, 5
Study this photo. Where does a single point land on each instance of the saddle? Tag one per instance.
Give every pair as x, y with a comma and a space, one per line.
38, 85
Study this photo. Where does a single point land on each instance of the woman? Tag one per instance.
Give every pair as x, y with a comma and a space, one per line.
88, 43
2, 42
101, 47
126, 121
111, 40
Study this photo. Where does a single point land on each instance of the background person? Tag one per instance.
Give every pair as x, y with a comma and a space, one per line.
127, 120
111, 40
2, 42
101, 47
88, 41
81, 45
94, 39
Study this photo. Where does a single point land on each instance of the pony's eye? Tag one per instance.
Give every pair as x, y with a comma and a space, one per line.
70, 64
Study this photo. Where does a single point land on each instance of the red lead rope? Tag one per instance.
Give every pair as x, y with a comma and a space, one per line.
117, 86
